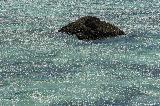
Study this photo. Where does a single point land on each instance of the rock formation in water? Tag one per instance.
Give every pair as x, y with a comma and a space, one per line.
91, 28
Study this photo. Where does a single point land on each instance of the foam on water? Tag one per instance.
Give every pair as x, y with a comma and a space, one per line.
39, 66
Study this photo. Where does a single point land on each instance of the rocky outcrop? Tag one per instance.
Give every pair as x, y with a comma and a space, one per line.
91, 28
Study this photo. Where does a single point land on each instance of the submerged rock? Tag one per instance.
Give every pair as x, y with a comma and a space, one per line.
91, 28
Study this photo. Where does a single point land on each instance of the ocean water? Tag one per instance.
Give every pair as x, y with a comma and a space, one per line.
41, 67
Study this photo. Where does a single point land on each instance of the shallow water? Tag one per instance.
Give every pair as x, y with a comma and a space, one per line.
39, 66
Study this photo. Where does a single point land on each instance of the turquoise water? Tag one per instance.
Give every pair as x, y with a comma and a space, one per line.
41, 67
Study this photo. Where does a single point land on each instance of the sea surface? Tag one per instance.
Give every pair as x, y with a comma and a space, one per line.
41, 67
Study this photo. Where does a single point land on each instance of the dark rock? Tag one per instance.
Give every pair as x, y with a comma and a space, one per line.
91, 28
